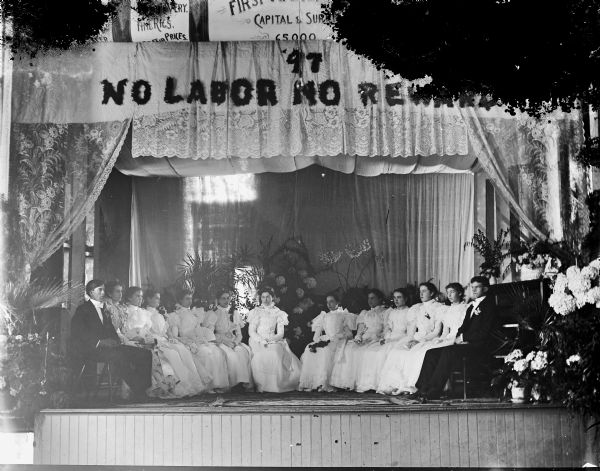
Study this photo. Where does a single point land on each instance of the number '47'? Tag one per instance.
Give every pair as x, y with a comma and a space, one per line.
315, 59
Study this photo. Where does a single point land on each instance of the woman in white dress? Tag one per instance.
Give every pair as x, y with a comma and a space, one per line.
399, 332
403, 364
333, 328
455, 314
173, 371
186, 325
274, 367
349, 371
227, 327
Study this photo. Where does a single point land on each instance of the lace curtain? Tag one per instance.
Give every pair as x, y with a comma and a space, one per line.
58, 173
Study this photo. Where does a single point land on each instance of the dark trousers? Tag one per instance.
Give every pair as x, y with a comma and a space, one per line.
131, 364
439, 364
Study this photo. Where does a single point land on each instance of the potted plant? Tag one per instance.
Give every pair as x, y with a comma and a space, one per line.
536, 260
493, 252
514, 376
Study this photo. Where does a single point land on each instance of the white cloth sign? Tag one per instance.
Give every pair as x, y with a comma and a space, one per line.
260, 20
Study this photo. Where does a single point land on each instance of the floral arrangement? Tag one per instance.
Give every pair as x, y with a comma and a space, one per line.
533, 371
576, 288
572, 335
537, 256
493, 251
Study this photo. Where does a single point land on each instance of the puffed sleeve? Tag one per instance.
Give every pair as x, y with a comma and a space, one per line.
238, 321
282, 318
209, 319
350, 320
317, 322
173, 319
252, 317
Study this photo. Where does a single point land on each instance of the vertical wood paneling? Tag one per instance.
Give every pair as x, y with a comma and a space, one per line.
346, 440
215, 432
315, 440
355, 441
265, 451
74, 440
83, 438
326, 440
511, 456
296, 440
415, 439
336, 441
453, 441
501, 440
111, 445
197, 441
463, 439
226, 453
255, 438
158, 440
434, 440
92, 439
286, 440
206, 441
473, 443
446, 438
101, 443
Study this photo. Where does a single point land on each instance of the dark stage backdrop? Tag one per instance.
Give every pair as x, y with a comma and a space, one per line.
417, 224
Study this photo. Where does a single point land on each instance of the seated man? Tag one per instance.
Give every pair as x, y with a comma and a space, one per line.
473, 340
93, 338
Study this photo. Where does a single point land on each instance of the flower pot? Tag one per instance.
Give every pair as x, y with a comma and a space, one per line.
518, 395
528, 273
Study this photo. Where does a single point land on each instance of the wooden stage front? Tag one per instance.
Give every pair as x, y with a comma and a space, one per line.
300, 429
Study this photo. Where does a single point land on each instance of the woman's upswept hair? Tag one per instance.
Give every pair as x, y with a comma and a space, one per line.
460, 289
430, 286
129, 292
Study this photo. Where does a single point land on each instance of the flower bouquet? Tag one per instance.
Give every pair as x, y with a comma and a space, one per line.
522, 374
534, 261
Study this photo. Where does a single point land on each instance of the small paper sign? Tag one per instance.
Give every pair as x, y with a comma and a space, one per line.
173, 25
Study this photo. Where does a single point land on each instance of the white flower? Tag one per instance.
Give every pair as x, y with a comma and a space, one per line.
562, 303
590, 272
13, 392
300, 292
513, 356
573, 271
573, 359
595, 264
578, 283
540, 361
520, 365
530, 356
593, 295
561, 283
330, 257
18, 337
280, 280
302, 274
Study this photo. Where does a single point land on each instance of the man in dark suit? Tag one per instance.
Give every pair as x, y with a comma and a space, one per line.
472, 340
94, 339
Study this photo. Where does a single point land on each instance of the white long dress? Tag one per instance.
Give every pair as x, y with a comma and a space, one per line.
174, 373
347, 367
274, 367
228, 327
201, 342
372, 356
317, 367
402, 366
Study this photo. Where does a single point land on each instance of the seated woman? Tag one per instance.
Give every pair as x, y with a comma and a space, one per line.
173, 371
227, 327
348, 371
403, 363
331, 332
186, 325
274, 367
455, 314
117, 310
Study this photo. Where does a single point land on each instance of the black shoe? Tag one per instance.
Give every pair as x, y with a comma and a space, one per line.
417, 396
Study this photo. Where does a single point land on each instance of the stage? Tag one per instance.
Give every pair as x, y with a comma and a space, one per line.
301, 429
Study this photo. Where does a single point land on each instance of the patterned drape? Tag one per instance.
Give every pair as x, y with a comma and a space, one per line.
58, 173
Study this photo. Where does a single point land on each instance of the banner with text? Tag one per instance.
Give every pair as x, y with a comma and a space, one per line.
263, 20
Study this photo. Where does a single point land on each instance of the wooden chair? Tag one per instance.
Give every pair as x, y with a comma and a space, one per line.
99, 374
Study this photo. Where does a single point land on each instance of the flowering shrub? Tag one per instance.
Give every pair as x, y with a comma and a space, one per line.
572, 335
34, 374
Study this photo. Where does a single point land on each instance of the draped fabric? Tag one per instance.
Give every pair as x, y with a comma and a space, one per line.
417, 224
59, 171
